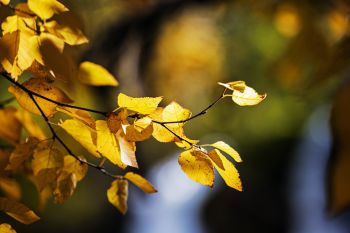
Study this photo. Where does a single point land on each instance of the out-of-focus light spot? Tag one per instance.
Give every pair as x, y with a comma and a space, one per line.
287, 21
289, 74
338, 23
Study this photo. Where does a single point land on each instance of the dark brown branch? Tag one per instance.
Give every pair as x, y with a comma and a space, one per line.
9, 78
14, 9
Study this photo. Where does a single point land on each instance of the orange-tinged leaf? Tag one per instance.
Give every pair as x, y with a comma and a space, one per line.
65, 186
78, 114
45, 9
4, 160
73, 166
18, 211
30, 126
10, 129
21, 153
10, 188
96, 75
116, 120
214, 156
85, 135
6, 228
227, 149
107, 144
229, 173
197, 167
117, 195
135, 133
39, 86
143, 105
243, 95
140, 182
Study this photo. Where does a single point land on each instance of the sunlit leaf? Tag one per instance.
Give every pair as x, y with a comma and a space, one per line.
214, 156
31, 127
10, 188
95, 75
43, 88
10, 129
18, 211
243, 95
185, 142
73, 166
174, 112
143, 105
65, 186
107, 144
45, 9
140, 182
127, 150
197, 166
229, 173
78, 114
5, 2
139, 131
227, 149
85, 135
6, 228
117, 195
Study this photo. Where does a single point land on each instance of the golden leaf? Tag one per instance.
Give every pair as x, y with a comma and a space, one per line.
197, 167
140, 182
96, 75
10, 188
127, 150
227, 149
116, 120
65, 186
243, 95
21, 153
78, 114
5, 2
17, 23
73, 166
214, 156
107, 144
174, 112
85, 135
18, 211
30, 126
39, 86
143, 105
45, 9
6, 228
10, 129
117, 195
136, 133
229, 173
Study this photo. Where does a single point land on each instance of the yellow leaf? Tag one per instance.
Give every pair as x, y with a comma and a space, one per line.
227, 149
95, 75
5, 2
23, 10
18, 211
174, 112
229, 173
10, 188
73, 166
197, 167
10, 129
78, 114
140, 182
214, 156
243, 95
32, 128
67, 27
17, 23
127, 151
107, 144
117, 195
21, 153
185, 144
46, 162
85, 135
144, 105
6, 228
45, 9
135, 133
39, 86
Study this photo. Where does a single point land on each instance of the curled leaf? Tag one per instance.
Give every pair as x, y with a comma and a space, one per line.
140, 182
18, 211
117, 195
227, 149
95, 75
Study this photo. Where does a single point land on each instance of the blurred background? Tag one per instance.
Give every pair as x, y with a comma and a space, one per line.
294, 145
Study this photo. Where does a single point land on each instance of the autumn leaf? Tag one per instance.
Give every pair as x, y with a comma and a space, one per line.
197, 166
5, 2
21, 153
65, 186
227, 149
143, 105
10, 129
10, 188
140, 130
117, 195
140, 182
93, 74
214, 156
43, 88
30, 126
85, 135
6, 228
45, 9
72, 166
174, 112
127, 150
229, 173
18, 211
116, 120
243, 95
78, 114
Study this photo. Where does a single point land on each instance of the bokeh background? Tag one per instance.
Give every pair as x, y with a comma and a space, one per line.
294, 145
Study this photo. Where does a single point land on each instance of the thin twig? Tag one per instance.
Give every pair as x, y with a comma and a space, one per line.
9, 78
